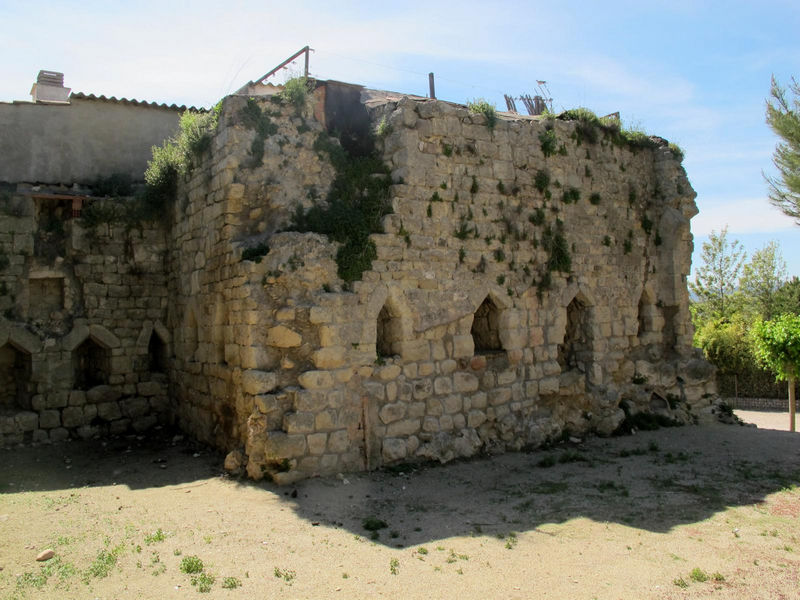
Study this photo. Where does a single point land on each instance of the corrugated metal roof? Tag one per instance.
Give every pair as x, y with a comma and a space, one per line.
182, 107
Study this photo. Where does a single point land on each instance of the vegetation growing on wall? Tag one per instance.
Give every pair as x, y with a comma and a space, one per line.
589, 128
356, 204
178, 154
482, 107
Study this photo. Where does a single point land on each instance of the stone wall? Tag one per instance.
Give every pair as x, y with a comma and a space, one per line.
83, 322
464, 336
529, 284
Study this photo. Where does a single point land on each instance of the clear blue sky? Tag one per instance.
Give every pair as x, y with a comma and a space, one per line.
696, 73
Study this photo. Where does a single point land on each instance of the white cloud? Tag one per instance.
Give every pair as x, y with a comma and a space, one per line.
745, 215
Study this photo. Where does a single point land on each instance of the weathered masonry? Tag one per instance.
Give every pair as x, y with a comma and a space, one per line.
529, 282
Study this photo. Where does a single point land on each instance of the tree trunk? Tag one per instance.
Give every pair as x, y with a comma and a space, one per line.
791, 404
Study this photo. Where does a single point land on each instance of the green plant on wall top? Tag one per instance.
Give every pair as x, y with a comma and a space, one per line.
481, 106
295, 92
356, 204
178, 154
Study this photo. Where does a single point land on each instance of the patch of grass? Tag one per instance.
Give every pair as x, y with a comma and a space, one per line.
422, 550
681, 583
481, 106
511, 540
231, 583
587, 124
203, 582
157, 536
698, 575
286, 574
394, 566
677, 151
191, 564
105, 561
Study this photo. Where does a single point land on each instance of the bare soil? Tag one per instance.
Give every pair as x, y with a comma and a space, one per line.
691, 512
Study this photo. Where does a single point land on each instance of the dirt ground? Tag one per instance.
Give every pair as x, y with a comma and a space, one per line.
691, 512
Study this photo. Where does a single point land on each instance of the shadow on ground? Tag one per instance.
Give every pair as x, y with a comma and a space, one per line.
652, 480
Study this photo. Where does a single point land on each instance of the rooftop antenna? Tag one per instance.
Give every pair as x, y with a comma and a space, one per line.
261, 80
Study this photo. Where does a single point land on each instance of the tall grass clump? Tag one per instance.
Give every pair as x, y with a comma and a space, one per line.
483, 107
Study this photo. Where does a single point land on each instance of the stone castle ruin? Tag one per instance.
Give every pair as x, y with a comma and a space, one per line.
524, 279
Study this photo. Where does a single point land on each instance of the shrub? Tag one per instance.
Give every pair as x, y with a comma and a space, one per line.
571, 195
483, 107
541, 180
548, 141
587, 124
191, 564
295, 91
557, 248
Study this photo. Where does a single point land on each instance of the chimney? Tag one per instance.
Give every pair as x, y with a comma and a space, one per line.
49, 88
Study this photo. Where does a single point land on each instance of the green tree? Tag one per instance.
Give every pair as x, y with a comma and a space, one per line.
726, 345
777, 346
762, 279
715, 280
783, 116
787, 299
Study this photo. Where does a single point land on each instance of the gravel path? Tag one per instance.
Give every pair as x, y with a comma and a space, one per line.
766, 419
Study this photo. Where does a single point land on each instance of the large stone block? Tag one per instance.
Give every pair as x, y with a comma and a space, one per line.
315, 380
390, 413
283, 337
393, 449
256, 382
300, 422
403, 428
331, 357
465, 382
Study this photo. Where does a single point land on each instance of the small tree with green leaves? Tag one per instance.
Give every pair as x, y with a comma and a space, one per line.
715, 280
762, 279
783, 116
778, 348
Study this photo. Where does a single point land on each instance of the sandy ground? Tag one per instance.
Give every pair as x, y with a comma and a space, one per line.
691, 512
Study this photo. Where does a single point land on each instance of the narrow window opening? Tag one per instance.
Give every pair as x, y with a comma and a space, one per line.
157, 354
485, 328
91, 365
385, 335
575, 351
15, 378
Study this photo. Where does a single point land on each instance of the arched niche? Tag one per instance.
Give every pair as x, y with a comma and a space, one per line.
15, 377
485, 329
575, 351
91, 364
